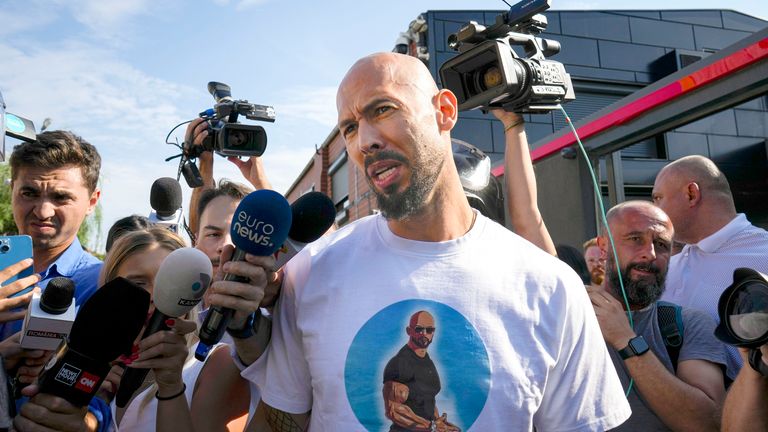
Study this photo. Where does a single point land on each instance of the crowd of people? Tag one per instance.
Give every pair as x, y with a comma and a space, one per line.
426, 316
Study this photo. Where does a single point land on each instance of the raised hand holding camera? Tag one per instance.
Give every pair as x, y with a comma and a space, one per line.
223, 134
489, 74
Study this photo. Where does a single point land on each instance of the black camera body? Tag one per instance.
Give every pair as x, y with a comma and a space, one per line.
488, 73
228, 137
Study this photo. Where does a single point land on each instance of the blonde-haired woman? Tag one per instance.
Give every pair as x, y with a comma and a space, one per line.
164, 400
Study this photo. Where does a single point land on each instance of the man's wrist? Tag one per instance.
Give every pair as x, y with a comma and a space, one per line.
622, 341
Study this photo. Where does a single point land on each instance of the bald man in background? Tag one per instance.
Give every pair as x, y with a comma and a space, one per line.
697, 197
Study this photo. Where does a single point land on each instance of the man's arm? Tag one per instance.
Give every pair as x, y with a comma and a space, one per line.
197, 131
520, 180
689, 401
746, 407
395, 395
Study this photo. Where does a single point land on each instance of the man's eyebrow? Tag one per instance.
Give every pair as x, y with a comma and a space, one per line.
367, 108
213, 227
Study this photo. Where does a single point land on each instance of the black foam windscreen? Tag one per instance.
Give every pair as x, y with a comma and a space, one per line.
313, 214
165, 196
109, 322
58, 294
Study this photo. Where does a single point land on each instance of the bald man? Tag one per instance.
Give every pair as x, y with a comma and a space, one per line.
669, 394
411, 381
696, 196
519, 345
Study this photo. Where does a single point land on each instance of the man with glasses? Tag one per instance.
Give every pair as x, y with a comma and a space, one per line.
411, 381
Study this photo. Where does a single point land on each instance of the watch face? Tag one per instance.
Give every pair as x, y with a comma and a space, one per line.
639, 345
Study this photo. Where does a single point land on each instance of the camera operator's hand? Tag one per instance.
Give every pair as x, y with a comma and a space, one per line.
508, 119
197, 132
6, 303
253, 171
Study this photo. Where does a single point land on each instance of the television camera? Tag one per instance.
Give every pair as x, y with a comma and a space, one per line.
488, 73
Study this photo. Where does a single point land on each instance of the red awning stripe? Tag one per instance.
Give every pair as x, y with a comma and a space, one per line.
695, 80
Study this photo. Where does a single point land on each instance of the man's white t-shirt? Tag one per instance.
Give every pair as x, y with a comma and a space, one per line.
516, 342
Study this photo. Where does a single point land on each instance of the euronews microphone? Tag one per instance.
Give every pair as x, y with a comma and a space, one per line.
180, 283
49, 316
312, 214
259, 227
165, 199
105, 327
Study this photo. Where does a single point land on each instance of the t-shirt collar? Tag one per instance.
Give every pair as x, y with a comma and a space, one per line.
716, 240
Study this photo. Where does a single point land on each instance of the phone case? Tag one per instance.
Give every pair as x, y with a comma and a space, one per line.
12, 250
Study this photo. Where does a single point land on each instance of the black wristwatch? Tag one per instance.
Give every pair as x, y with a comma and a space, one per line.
247, 330
637, 346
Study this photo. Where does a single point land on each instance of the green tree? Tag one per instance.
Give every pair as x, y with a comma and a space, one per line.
7, 225
89, 233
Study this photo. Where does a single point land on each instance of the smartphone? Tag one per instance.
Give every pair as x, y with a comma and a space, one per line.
12, 250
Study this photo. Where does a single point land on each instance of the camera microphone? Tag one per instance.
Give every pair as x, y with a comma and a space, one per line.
180, 283
105, 327
165, 200
49, 316
260, 225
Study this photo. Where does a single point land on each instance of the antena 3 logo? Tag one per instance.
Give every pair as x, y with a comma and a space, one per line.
254, 230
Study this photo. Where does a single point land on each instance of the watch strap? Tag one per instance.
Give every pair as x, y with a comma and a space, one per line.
244, 332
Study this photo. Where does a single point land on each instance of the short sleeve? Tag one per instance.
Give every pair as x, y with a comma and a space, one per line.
287, 382
583, 391
699, 341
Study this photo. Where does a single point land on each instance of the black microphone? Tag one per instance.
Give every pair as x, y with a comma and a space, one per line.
260, 226
312, 214
49, 316
105, 327
180, 283
165, 199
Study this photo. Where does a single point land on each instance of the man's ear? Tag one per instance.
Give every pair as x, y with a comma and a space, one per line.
602, 243
93, 200
692, 193
447, 110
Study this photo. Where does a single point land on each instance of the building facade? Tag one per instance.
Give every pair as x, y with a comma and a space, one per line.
610, 55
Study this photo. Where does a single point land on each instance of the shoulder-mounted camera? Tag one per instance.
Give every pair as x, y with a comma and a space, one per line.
488, 73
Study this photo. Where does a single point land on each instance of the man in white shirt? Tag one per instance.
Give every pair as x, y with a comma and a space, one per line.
519, 346
696, 196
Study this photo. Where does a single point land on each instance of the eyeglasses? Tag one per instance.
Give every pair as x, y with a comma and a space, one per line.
427, 330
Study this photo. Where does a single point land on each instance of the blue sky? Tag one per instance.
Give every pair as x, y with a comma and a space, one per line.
122, 73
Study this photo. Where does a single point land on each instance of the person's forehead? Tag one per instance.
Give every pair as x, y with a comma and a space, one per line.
219, 211
64, 177
592, 250
645, 220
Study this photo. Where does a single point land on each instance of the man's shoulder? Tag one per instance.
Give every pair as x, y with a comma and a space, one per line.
750, 240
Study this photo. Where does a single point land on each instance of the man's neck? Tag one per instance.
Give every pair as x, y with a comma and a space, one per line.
708, 220
43, 258
420, 352
447, 216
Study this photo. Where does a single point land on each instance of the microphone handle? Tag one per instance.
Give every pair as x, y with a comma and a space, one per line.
215, 323
133, 378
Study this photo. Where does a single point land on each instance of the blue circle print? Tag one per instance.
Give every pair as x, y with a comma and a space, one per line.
457, 352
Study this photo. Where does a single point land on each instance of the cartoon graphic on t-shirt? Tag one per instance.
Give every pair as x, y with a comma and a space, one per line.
411, 382
439, 380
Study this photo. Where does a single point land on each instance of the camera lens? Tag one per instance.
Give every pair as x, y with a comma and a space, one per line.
748, 311
4, 248
237, 138
491, 77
